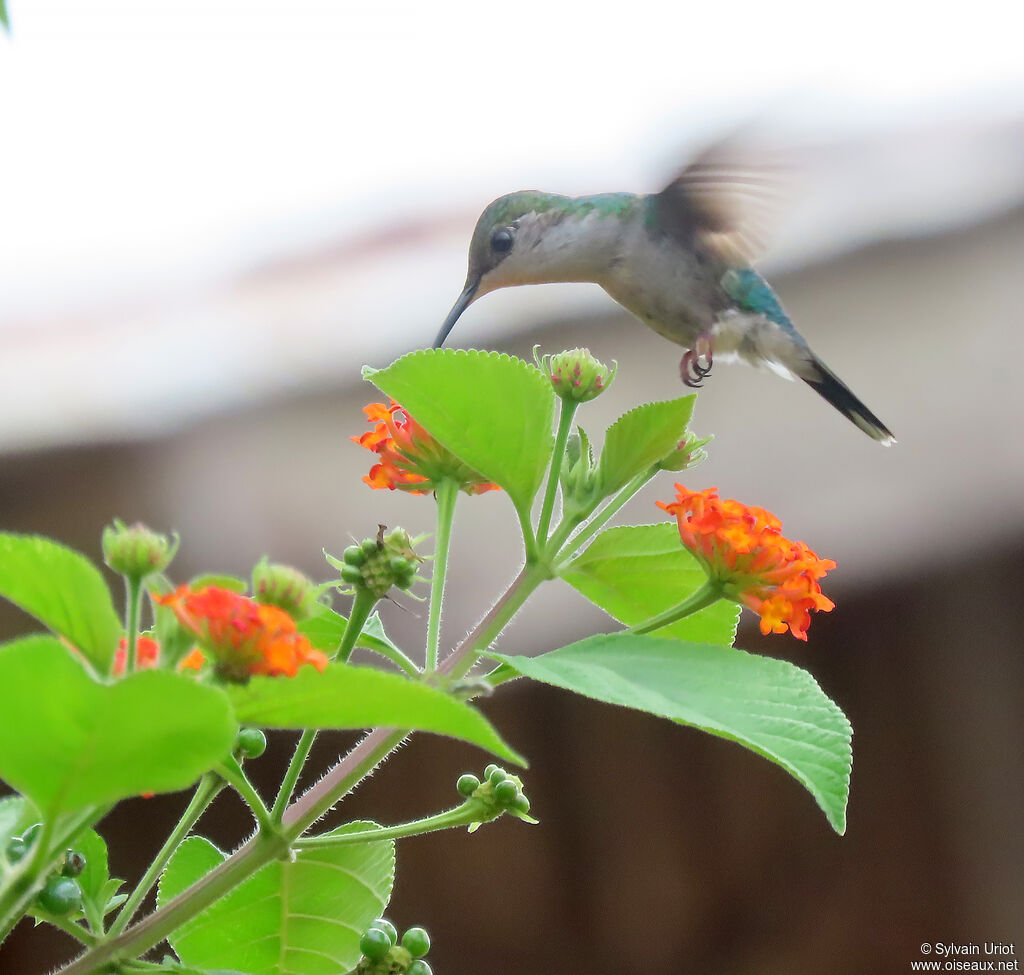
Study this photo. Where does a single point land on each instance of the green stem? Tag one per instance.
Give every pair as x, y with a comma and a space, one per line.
459, 816
561, 438
84, 935
133, 590
207, 790
709, 593
362, 606
396, 657
231, 771
291, 775
447, 494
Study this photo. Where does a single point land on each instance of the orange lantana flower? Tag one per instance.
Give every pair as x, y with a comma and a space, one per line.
742, 548
410, 458
147, 655
245, 637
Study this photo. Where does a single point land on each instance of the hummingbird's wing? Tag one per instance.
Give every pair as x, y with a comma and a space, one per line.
724, 202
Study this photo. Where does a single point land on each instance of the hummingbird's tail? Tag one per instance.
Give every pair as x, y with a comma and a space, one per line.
831, 388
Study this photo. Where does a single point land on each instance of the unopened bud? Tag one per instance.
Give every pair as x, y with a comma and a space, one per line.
689, 453
379, 563
284, 587
136, 551
576, 374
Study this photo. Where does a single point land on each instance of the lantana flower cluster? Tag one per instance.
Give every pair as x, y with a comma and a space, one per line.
742, 549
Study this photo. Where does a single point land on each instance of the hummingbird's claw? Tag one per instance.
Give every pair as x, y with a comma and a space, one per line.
691, 370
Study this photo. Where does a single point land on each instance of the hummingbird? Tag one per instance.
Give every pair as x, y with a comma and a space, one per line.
681, 261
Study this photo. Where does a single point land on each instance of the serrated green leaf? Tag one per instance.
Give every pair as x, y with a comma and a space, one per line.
64, 591
344, 696
293, 917
68, 741
634, 572
95, 878
491, 410
770, 706
642, 437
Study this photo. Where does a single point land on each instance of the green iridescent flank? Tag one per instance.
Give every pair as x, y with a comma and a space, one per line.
752, 293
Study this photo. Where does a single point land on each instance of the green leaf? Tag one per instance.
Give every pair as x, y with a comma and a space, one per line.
293, 917
97, 886
642, 437
325, 628
635, 572
4, 19
361, 697
68, 741
15, 817
492, 411
770, 706
64, 591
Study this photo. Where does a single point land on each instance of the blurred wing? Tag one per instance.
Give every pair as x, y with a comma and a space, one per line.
725, 202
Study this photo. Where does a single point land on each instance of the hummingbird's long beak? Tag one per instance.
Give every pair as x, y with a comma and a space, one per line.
463, 302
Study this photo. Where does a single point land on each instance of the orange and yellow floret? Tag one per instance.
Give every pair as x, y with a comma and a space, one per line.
410, 458
245, 637
742, 548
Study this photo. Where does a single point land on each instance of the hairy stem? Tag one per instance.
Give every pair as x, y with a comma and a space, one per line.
561, 438
447, 494
709, 593
206, 792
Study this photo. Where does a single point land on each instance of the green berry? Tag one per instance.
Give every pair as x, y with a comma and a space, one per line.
351, 574
375, 944
60, 895
419, 967
354, 555
74, 863
16, 849
29, 836
488, 770
416, 941
383, 924
251, 742
467, 784
369, 546
496, 775
506, 791
521, 804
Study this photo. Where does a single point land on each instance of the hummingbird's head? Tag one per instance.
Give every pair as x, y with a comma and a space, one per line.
512, 244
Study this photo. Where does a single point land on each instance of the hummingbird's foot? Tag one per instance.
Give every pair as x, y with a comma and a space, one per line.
692, 371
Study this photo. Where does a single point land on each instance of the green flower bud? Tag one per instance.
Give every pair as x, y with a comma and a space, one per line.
250, 742
375, 944
416, 941
74, 863
467, 784
137, 552
383, 924
496, 775
60, 895
689, 453
521, 804
284, 587
576, 374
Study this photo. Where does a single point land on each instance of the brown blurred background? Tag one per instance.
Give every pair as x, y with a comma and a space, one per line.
218, 402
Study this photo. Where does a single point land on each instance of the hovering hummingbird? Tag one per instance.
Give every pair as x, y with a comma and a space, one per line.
679, 260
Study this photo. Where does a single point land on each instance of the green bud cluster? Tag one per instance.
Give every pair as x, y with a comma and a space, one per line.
377, 564
284, 587
576, 374
385, 954
689, 453
136, 551
61, 893
498, 792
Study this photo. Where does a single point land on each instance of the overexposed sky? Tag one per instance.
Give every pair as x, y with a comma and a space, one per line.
143, 138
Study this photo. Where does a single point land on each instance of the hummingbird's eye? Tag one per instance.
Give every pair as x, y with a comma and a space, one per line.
501, 240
